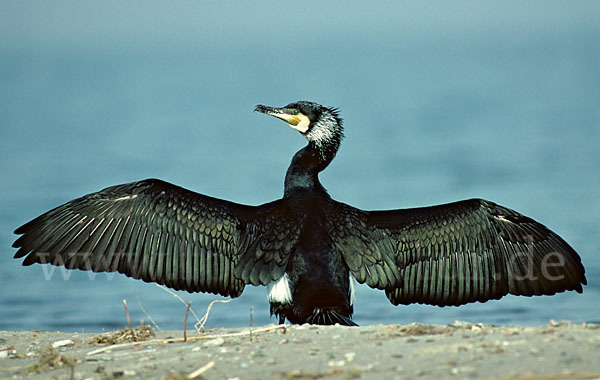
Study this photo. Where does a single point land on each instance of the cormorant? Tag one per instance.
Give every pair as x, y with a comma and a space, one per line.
306, 247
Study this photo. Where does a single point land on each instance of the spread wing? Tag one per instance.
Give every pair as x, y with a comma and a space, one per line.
158, 232
451, 254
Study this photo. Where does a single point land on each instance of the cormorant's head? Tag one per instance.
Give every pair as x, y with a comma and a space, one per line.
317, 123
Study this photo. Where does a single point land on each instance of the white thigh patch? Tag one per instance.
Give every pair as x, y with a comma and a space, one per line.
279, 291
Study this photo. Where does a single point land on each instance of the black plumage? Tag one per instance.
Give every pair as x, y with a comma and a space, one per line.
307, 247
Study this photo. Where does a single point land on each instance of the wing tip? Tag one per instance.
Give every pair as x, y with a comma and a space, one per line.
22, 252
21, 230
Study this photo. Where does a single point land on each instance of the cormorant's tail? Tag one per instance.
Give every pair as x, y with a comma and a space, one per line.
329, 317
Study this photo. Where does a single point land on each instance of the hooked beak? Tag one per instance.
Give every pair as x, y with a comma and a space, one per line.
295, 119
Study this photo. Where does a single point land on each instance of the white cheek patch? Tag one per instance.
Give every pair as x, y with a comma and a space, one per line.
279, 290
303, 123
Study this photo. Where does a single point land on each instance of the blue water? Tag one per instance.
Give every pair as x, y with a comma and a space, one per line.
440, 103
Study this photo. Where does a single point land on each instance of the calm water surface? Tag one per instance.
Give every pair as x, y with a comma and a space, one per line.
438, 106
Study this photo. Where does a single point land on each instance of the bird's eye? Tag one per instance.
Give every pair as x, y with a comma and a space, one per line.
292, 111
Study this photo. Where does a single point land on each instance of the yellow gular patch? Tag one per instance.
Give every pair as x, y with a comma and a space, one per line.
299, 122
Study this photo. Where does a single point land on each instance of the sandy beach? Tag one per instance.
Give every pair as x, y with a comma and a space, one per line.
460, 350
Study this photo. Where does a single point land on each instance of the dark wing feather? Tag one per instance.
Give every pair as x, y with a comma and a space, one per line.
369, 253
277, 231
158, 232
451, 254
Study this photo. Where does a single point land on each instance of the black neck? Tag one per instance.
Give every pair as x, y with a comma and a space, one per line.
303, 173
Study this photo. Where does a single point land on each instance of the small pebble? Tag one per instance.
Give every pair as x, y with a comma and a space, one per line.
62, 343
214, 342
463, 371
461, 324
7, 353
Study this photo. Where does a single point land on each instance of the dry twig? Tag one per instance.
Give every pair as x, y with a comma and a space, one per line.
146, 314
179, 298
127, 314
192, 338
203, 320
201, 370
187, 310
251, 312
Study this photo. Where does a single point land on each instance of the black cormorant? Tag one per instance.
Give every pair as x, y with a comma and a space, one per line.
306, 247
